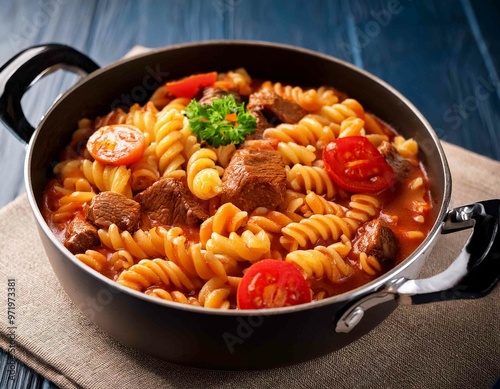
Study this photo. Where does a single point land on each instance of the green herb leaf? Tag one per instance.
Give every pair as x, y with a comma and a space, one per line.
221, 123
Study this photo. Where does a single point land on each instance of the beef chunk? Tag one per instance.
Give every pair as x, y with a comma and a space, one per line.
80, 235
273, 104
114, 208
254, 178
262, 125
399, 164
169, 201
211, 93
377, 239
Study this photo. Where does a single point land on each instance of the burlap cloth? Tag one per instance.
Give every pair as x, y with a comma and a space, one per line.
442, 345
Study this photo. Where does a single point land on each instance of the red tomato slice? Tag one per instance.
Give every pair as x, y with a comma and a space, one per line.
356, 165
272, 283
118, 144
188, 87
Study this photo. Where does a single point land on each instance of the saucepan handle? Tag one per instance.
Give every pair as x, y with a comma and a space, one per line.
473, 274
21, 71
476, 270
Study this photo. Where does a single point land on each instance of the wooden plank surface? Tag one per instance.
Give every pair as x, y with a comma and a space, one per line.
443, 55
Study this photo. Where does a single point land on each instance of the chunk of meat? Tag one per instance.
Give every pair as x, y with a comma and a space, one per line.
271, 103
211, 93
399, 164
261, 125
169, 201
108, 208
254, 178
377, 239
80, 235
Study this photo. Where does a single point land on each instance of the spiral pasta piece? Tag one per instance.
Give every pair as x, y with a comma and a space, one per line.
322, 261
203, 177
292, 153
272, 222
228, 218
189, 142
408, 148
175, 296
376, 139
214, 294
310, 178
369, 264
69, 168
121, 259
144, 172
71, 204
179, 104
140, 245
108, 177
224, 154
337, 113
238, 80
319, 205
151, 272
168, 138
93, 259
352, 126
362, 208
76, 185
71, 176
245, 247
293, 206
195, 261
310, 130
144, 119
310, 100
309, 231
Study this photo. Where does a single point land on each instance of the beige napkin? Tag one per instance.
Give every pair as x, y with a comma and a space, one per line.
442, 345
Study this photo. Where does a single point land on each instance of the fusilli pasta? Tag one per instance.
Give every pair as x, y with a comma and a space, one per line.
323, 261
155, 272
310, 178
168, 138
245, 247
108, 177
308, 231
292, 153
203, 176
310, 100
310, 130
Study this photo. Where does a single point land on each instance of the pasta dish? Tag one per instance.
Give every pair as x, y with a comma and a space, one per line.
228, 192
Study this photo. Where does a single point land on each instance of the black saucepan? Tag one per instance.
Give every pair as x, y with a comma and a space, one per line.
236, 339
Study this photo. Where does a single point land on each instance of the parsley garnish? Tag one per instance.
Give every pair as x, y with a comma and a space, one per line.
221, 123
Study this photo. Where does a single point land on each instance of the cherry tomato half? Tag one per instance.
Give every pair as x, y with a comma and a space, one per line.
118, 144
356, 165
188, 87
272, 283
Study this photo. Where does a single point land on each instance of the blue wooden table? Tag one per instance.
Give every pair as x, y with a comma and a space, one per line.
443, 55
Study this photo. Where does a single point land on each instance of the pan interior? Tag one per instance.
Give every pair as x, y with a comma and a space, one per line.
133, 81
